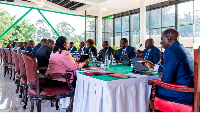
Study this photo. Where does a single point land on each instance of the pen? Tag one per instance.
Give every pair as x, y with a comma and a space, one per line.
158, 62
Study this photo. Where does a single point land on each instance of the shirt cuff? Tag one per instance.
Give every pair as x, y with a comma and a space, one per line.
156, 67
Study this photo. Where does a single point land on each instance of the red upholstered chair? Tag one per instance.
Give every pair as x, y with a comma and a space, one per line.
13, 62
37, 92
17, 68
23, 80
9, 57
1, 55
167, 106
5, 61
162, 58
139, 55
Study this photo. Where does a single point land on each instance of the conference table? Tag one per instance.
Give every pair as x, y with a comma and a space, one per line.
105, 93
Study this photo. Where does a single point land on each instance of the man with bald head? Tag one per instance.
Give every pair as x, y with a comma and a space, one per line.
178, 68
151, 52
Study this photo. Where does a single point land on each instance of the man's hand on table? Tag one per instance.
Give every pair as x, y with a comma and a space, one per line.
147, 63
119, 61
160, 74
86, 62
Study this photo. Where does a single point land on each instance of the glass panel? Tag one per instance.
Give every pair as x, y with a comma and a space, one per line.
90, 24
126, 35
156, 18
135, 22
125, 23
109, 25
197, 36
156, 36
117, 39
118, 25
90, 35
135, 39
147, 19
103, 25
147, 34
109, 38
185, 13
186, 36
196, 11
168, 16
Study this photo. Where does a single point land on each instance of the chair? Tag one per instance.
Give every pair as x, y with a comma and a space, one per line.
162, 58
23, 80
1, 55
139, 55
9, 57
5, 61
167, 106
13, 62
37, 92
16, 68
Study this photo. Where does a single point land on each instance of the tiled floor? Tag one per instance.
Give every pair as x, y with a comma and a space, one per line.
10, 101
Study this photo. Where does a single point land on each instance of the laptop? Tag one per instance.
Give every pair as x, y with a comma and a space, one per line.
125, 59
138, 68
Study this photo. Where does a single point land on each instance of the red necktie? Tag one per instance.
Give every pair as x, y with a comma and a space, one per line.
122, 53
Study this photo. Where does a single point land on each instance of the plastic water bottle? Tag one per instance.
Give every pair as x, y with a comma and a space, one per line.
113, 62
106, 63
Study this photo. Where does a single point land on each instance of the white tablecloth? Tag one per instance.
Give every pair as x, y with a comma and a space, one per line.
124, 95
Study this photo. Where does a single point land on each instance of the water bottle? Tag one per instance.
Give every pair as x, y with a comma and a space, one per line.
113, 62
106, 63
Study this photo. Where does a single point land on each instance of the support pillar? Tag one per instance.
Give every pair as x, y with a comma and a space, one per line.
142, 23
99, 28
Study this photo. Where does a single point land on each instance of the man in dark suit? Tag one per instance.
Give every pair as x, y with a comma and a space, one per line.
106, 50
82, 49
151, 52
42, 42
125, 49
178, 68
72, 47
31, 45
24, 45
44, 52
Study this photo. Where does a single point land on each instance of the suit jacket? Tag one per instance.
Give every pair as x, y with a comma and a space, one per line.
73, 49
178, 68
28, 49
43, 55
22, 48
103, 52
34, 51
154, 55
60, 63
132, 53
84, 50
93, 49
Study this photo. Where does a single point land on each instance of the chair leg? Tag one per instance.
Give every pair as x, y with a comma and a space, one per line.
57, 107
52, 104
71, 103
10, 73
4, 71
21, 91
32, 104
25, 97
14, 75
38, 105
18, 83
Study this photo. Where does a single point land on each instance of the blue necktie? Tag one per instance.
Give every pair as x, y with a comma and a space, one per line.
147, 55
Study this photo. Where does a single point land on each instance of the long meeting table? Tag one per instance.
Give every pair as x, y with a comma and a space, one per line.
105, 93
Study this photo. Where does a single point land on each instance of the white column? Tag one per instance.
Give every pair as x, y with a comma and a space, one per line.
142, 23
99, 38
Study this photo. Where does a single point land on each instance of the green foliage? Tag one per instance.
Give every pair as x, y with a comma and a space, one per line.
77, 45
23, 31
115, 47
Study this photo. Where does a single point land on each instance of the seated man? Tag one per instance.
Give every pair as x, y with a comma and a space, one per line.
24, 45
82, 49
178, 68
31, 45
125, 49
44, 52
151, 52
72, 47
106, 50
42, 42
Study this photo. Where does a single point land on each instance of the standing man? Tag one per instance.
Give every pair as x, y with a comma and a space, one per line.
151, 52
42, 42
72, 47
125, 49
82, 48
178, 68
106, 50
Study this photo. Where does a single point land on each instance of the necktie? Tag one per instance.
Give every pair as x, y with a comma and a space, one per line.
122, 53
147, 55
